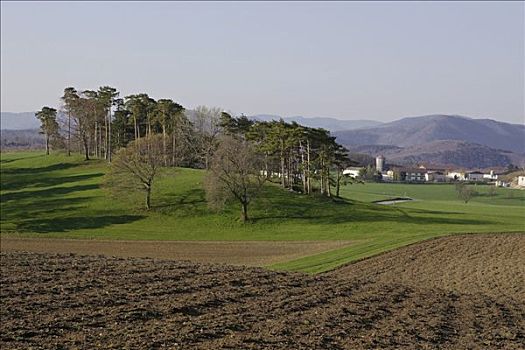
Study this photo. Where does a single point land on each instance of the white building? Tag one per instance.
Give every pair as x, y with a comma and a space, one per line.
388, 177
352, 171
415, 175
491, 176
501, 183
435, 176
380, 163
456, 175
475, 176
521, 181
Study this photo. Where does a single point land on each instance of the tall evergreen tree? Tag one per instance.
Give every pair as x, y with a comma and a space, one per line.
48, 124
107, 96
69, 98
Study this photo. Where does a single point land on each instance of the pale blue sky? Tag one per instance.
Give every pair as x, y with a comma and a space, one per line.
348, 60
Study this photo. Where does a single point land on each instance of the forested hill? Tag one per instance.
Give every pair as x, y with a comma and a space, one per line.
415, 131
448, 153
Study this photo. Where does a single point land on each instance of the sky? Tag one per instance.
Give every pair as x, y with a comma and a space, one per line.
348, 60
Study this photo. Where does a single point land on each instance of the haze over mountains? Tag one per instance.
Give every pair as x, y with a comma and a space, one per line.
420, 130
444, 140
435, 139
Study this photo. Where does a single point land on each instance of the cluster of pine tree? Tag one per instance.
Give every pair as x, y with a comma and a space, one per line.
293, 153
99, 123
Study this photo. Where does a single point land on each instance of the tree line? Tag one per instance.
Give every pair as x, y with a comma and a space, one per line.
138, 135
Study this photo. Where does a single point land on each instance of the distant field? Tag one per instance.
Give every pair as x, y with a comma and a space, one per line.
61, 197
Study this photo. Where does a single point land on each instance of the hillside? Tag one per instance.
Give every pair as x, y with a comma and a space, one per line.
331, 124
408, 132
445, 153
62, 197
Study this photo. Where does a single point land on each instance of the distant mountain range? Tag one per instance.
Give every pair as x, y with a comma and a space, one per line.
446, 140
446, 153
414, 131
434, 139
331, 124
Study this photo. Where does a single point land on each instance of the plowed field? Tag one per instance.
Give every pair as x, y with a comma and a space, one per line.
465, 292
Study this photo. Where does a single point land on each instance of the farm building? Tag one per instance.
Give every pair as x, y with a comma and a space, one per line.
380, 163
521, 181
490, 176
456, 175
407, 174
501, 183
475, 176
435, 176
352, 171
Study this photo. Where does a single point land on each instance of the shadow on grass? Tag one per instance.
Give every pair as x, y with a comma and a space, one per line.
13, 183
49, 192
44, 169
277, 205
6, 161
65, 224
189, 203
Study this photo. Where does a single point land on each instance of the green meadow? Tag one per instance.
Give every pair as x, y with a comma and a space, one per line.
62, 197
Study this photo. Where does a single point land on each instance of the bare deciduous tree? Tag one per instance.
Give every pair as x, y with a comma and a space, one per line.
207, 125
135, 167
235, 173
464, 192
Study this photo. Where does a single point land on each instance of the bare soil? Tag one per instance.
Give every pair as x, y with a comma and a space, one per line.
464, 292
247, 253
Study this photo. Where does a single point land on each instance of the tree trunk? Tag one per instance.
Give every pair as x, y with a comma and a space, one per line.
329, 191
69, 134
322, 182
148, 197
135, 125
266, 165
283, 182
109, 136
100, 140
105, 136
96, 140
338, 183
86, 147
244, 212
290, 173
47, 143
164, 148
303, 165
308, 182
173, 150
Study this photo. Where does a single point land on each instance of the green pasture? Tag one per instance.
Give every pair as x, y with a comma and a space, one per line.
59, 196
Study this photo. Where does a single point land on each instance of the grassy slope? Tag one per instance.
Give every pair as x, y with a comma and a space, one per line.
60, 196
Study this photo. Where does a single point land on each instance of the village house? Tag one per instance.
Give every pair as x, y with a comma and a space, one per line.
490, 176
475, 176
353, 171
407, 174
456, 175
435, 176
502, 183
521, 181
